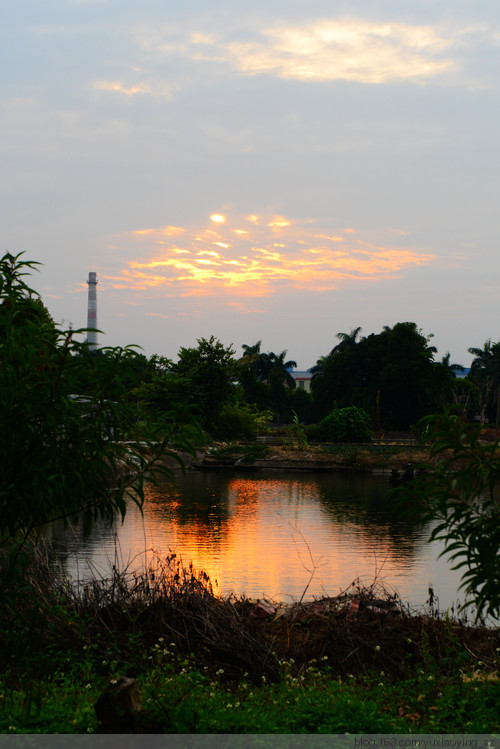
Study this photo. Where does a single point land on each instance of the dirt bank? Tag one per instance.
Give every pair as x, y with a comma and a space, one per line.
387, 457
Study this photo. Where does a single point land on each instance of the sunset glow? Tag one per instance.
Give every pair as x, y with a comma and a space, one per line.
252, 263
339, 159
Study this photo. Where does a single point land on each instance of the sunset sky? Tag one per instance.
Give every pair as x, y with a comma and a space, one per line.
265, 170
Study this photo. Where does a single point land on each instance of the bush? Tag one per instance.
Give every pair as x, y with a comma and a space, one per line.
458, 492
240, 422
350, 424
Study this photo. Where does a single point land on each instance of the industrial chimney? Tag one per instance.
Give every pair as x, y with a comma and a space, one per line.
92, 311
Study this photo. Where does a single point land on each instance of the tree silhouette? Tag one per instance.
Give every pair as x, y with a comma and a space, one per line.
485, 372
452, 368
347, 340
392, 375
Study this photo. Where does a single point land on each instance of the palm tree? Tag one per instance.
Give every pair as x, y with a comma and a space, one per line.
485, 371
451, 368
347, 340
319, 367
266, 364
255, 360
251, 350
279, 369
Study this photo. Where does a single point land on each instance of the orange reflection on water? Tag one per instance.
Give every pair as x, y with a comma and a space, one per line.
272, 538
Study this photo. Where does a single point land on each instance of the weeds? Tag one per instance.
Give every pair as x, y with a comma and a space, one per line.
294, 435
238, 452
187, 700
358, 662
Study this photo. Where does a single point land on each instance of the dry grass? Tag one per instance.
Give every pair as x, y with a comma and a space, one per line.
369, 629
354, 633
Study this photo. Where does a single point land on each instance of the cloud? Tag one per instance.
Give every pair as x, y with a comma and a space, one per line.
150, 88
257, 256
321, 51
346, 50
327, 49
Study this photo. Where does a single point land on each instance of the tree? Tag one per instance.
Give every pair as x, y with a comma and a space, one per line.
253, 358
452, 368
392, 375
409, 381
280, 381
319, 367
347, 340
266, 378
211, 371
279, 369
57, 457
252, 376
299, 402
485, 373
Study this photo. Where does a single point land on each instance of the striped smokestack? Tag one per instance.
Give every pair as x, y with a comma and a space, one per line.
92, 311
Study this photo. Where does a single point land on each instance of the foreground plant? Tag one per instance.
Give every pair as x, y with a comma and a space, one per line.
68, 429
69, 447
458, 492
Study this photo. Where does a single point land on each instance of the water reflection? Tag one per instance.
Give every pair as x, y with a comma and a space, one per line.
269, 534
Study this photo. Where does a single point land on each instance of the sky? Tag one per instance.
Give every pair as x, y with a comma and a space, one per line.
274, 171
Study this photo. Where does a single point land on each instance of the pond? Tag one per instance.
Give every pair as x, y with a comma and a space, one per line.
278, 535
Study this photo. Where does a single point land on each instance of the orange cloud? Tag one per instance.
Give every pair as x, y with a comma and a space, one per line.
249, 262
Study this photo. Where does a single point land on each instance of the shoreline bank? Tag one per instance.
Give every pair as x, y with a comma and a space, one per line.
391, 458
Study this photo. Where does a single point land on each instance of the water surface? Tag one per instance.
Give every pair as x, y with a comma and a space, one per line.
272, 534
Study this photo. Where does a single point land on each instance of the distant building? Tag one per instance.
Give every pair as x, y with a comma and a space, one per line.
302, 379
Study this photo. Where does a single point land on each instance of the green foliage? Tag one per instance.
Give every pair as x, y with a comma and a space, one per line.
255, 392
459, 493
210, 369
266, 379
240, 421
300, 402
243, 453
166, 391
205, 379
161, 627
68, 444
179, 698
295, 436
350, 424
201, 385
392, 375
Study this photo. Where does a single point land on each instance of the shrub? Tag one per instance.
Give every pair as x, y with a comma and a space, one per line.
350, 424
238, 421
458, 492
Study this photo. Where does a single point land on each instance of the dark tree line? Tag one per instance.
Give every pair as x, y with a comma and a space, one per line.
392, 375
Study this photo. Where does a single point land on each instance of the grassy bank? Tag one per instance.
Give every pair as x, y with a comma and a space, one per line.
360, 662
